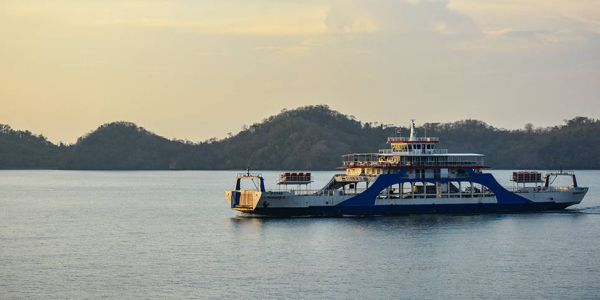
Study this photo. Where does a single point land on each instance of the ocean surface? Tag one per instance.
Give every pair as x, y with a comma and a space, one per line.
124, 235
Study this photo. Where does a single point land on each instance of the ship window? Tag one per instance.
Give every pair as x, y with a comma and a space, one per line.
252, 184
392, 191
454, 188
406, 190
431, 190
462, 189
396, 191
486, 191
478, 190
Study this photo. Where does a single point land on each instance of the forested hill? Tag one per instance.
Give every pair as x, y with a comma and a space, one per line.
308, 138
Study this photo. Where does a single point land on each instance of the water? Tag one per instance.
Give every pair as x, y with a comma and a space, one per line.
122, 235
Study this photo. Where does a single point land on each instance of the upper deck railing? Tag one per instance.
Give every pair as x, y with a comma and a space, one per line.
477, 162
248, 175
377, 160
401, 139
414, 151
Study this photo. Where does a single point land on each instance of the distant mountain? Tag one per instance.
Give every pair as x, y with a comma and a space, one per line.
24, 150
312, 137
307, 138
122, 146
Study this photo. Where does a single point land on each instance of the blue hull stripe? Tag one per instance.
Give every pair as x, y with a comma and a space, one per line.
368, 197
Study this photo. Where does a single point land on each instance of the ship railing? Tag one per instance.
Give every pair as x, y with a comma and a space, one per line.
445, 163
409, 195
417, 151
247, 174
538, 188
362, 164
560, 188
395, 139
419, 164
303, 192
352, 191
416, 195
354, 178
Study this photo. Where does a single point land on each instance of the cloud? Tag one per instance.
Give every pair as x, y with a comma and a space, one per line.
525, 42
208, 18
263, 28
348, 17
282, 20
531, 15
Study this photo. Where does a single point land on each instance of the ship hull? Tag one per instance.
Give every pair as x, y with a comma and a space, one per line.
393, 210
375, 201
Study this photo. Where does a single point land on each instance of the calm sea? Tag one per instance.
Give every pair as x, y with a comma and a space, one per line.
122, 235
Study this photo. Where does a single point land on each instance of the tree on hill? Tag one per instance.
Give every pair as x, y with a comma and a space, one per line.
24, 150
122, 146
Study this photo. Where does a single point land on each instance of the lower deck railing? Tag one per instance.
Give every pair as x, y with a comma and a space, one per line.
436, 195
386, 196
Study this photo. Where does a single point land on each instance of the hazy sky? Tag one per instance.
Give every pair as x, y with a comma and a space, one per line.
198, 69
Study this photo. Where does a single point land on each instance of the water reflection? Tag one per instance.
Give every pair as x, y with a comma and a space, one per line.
412, 222
586, 210
431, 220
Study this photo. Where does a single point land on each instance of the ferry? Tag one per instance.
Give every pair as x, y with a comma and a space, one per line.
412, 176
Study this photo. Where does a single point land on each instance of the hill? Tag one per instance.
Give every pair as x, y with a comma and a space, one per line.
24, 150
122, 146
308, 138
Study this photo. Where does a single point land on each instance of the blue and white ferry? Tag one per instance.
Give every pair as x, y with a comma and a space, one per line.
411, 177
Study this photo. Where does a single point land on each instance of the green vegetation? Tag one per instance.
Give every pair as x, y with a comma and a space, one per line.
24, 150
309, 138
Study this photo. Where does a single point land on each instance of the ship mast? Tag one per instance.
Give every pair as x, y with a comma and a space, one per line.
412, 136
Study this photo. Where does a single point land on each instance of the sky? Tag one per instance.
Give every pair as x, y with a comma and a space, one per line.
200, 69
